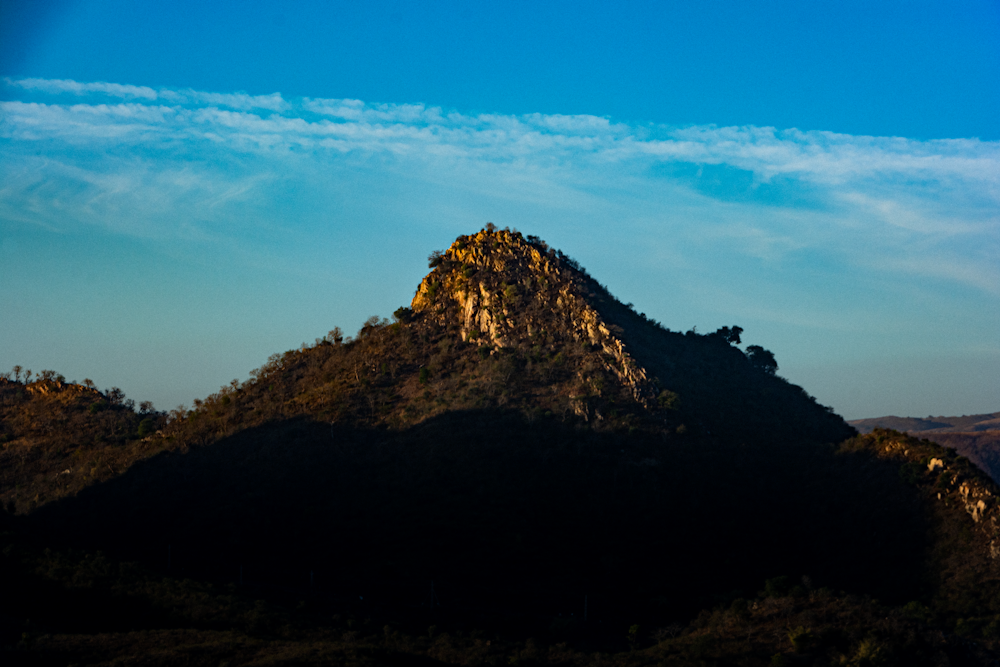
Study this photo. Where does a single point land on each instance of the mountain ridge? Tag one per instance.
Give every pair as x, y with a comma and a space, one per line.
941, 424
977, 437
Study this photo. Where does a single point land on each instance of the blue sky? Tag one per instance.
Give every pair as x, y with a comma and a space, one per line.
186, 189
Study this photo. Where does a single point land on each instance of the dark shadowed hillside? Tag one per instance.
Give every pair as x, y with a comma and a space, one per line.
506, 514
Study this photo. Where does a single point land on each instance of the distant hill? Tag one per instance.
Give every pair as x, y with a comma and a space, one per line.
965, 423
976, 437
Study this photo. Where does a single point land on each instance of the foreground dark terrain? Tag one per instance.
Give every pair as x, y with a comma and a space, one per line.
518, 469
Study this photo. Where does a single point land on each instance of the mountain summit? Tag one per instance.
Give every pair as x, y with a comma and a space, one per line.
506, 291
502, 291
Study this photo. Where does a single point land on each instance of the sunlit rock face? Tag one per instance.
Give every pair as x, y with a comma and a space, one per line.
507, 291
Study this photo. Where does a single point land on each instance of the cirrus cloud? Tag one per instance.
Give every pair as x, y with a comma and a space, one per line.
932, 204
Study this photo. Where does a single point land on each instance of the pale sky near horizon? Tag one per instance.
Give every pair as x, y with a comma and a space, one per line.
186, 188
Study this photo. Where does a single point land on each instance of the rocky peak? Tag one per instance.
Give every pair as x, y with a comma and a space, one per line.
507, 291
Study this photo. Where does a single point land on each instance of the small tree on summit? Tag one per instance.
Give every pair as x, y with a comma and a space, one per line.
115, 396
762, 359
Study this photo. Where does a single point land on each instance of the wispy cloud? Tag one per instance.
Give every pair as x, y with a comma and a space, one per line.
55, 86
922, 200
344, 124
273, 102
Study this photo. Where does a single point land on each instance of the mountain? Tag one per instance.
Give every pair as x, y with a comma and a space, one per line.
506, 293
516, 458
500, 323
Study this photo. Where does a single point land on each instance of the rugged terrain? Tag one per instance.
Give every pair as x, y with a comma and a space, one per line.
517, 469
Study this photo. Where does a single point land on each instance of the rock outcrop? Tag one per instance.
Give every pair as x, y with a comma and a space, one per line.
504, 291
951, 479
